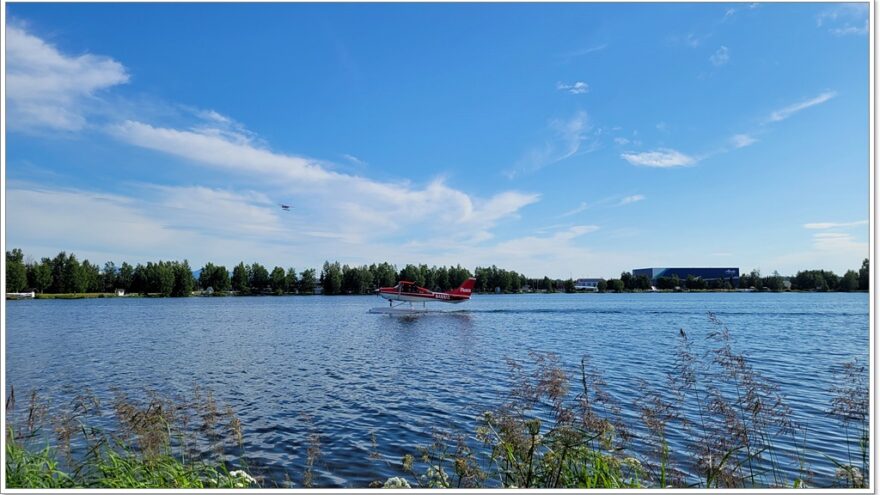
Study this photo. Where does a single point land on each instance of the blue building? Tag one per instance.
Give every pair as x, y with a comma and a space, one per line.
707, 274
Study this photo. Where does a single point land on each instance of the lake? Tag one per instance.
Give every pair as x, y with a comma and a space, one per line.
289, 366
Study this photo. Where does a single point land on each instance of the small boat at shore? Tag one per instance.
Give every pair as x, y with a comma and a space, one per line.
20, 295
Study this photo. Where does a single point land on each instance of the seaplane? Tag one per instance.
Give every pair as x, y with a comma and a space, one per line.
406, 292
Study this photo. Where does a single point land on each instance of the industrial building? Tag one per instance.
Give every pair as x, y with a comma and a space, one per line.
707, 274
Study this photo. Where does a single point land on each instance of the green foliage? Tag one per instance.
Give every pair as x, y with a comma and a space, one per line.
569, 286
149, 451
849, 282
258, 278
40, 275
819, 280
615, 285
183, 279
215, 277
240, 279
695, 283
125, 277
290, 280
488, 279
278, 280
307, 281
864, 275
16, 274
331, 277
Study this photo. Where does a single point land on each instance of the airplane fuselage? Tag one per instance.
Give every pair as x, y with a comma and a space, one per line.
395, 295
410, 292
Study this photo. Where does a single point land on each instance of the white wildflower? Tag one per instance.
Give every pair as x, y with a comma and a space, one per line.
241, 479
396, 482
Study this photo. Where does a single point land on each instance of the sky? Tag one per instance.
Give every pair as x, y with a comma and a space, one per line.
569, 140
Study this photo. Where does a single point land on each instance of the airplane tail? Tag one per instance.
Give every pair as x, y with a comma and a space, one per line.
465, 288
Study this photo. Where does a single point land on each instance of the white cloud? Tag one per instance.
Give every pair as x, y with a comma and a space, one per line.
354, 159
356, 205
838, 242
568, 137
662, 127
45, 88
790, 110
621, 141
742, 140
720, 57
581, 207
584, 51
631, 199
833, 225
661, 158
845, 19
579, 87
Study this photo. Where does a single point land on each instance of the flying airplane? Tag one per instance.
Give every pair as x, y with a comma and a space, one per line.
284, 207
409, 292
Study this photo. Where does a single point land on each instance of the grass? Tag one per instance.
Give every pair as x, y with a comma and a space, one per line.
155, 445
81, 295
583, 442
557, 428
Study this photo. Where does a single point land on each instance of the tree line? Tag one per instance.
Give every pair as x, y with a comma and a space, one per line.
65, 274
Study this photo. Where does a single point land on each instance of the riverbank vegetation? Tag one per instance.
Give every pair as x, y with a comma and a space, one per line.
558, 427
65, 274
153, 443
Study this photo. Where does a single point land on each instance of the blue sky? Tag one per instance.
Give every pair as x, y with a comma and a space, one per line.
564, 139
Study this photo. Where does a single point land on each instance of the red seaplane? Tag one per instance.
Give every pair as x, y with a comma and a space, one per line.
409, 292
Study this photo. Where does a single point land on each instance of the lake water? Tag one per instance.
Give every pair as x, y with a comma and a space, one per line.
280, 360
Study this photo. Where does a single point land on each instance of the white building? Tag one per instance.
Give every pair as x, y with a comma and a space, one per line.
587, 284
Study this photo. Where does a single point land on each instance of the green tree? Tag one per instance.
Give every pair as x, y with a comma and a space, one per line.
864, 275
412, 273
240, 279
183, 279
40, 275
849, 282
278, 280
125, 277
109, 276
16, 273
332, 278
307, 281
91, 275
259, 278
628, 280
602, 286
569, 286
72, 279
291, 280
615, 285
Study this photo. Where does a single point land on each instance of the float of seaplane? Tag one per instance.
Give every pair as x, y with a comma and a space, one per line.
408, 293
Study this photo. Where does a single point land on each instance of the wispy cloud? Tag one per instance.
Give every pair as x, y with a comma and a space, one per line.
845, 19
790, 110
568, 137
584, 51
631, 199
837, 241
48, 89
742, 140
577, 88
353, 159
581, 207
621, 141
661, 158
720, 57
834, 225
